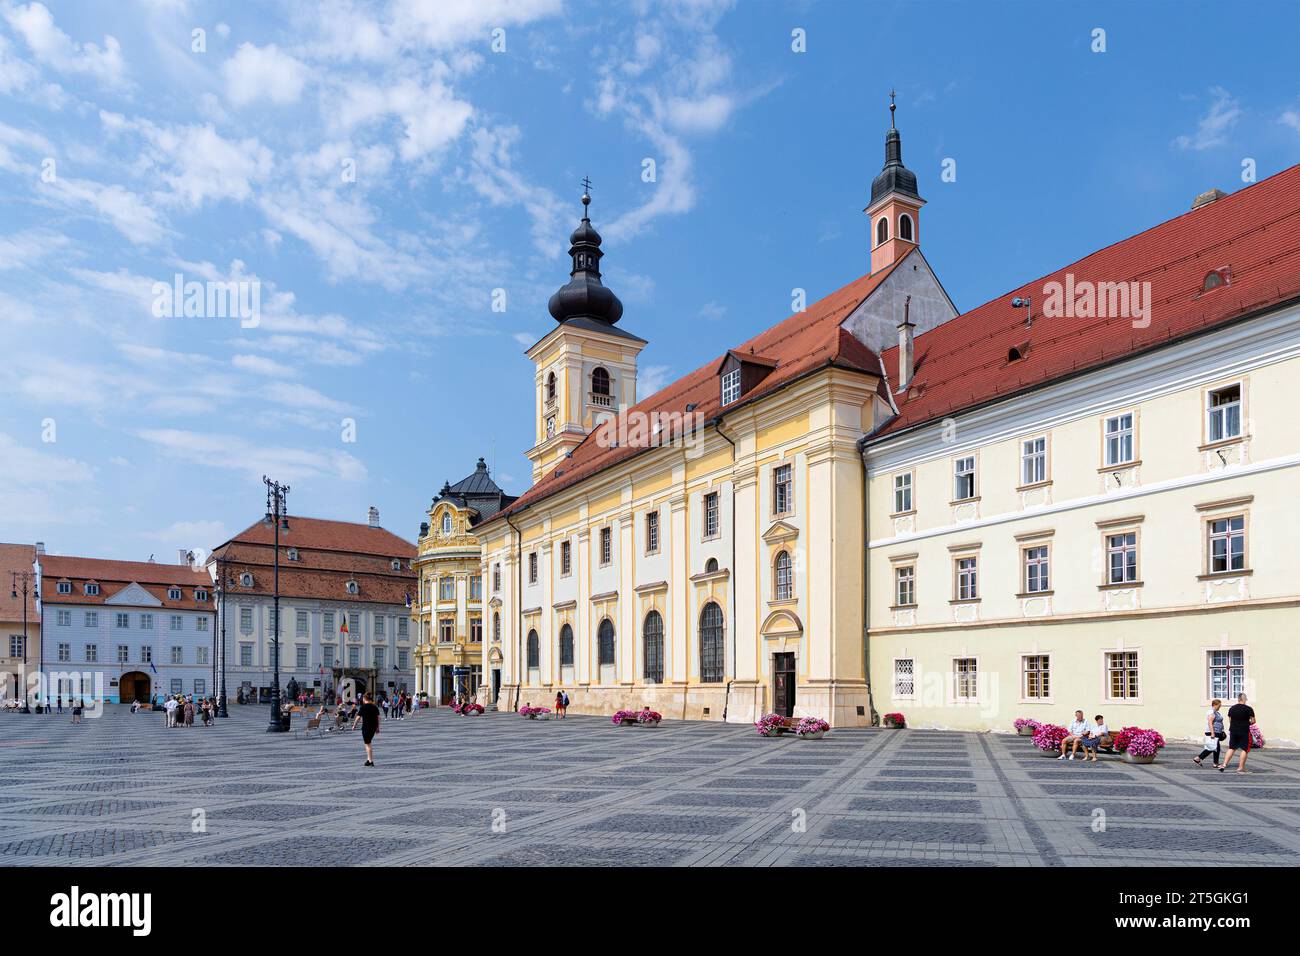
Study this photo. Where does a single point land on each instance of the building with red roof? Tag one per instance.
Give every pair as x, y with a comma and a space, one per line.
345, 589
865, 507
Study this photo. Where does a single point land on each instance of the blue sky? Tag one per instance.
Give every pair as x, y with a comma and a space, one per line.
128, 156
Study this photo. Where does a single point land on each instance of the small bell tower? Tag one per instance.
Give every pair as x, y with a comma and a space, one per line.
895, 207
586, 365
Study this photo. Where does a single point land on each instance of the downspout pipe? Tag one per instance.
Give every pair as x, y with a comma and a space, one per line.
873, 714
519, 600
734, 575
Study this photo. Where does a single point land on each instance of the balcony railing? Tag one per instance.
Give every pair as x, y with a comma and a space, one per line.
603, 401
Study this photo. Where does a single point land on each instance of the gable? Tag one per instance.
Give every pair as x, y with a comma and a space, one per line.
874, 322
133, 595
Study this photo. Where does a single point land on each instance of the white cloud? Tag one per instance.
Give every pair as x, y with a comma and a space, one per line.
33, 487
127, 212
651, 379
51, 46
1290, 118
259, 365
1212, 129
493, 176
302, 398
449, 22
263, 73
524, 339
254, 459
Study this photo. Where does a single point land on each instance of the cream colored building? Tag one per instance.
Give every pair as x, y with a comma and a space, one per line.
1099, 512
701, 552
447, 616
880, 505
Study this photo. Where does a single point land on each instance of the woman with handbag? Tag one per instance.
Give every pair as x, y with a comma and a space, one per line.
1213, 733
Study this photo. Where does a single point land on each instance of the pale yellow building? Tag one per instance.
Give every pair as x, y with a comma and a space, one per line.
1078, 495
686, 552
447, 615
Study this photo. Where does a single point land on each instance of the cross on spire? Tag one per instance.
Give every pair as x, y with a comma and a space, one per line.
892, 107
586, 195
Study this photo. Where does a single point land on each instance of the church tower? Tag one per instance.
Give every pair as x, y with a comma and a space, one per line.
895, 207
586, 365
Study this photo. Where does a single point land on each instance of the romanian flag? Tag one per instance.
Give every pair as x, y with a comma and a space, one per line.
343, 626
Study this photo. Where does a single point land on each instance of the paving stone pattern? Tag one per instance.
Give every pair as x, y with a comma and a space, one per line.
496, 790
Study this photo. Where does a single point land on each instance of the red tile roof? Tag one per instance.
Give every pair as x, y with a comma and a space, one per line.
322, 534
16, 557
802, 343
1254, 232
330, 554
113, 576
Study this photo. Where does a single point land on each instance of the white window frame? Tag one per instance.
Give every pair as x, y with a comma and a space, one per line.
964, 469
1045, 671
904, 677
904, 575
712, 515
1220, 416
965, 679
783, 489
1108, 671
1030, 558
731, 386
1228, 669
1119, 438
903, 493
1033, 461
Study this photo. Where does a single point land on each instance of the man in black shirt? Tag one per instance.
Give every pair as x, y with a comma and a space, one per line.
368, 718
1240, 718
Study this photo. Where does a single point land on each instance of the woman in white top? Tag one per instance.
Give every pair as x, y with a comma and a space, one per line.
1213, 733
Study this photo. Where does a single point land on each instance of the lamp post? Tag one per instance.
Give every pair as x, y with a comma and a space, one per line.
221, 667
26, 578
276, 516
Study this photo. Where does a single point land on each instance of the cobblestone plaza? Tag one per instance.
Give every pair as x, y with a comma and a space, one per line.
499, 790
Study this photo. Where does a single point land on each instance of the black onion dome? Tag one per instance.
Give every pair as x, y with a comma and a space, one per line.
583, 296
895, 177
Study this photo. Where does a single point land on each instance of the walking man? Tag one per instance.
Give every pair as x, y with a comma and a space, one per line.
368, 718
1241, 716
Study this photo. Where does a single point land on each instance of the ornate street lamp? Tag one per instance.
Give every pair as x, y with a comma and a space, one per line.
27, 587
277, 517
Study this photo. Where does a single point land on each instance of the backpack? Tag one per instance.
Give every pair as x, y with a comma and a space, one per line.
566, 699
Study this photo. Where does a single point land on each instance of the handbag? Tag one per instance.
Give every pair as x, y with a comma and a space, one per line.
1211, 742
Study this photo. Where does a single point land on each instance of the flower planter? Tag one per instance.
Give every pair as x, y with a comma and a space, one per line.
1134, 758
1048, 753
1026, 731
894, 725
647, 723
815, 735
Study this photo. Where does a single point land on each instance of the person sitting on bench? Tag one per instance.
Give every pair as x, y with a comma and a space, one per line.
1077, 730
1098, 735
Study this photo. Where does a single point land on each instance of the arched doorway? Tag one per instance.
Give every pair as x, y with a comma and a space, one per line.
133, 686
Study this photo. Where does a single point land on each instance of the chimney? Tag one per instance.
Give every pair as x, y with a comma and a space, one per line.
40, 548
905, 362
182, 557
1207, 197
373, 517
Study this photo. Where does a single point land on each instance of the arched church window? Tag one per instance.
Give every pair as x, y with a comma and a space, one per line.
905, 227
882, 230
599, 381
550, 387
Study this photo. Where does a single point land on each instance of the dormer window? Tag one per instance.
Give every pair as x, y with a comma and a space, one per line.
396, 565
246, 580
1215, 278
173, 594
292, 554
446, 522
92, 589
730, 386
200, 595
352, 587
64, 587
